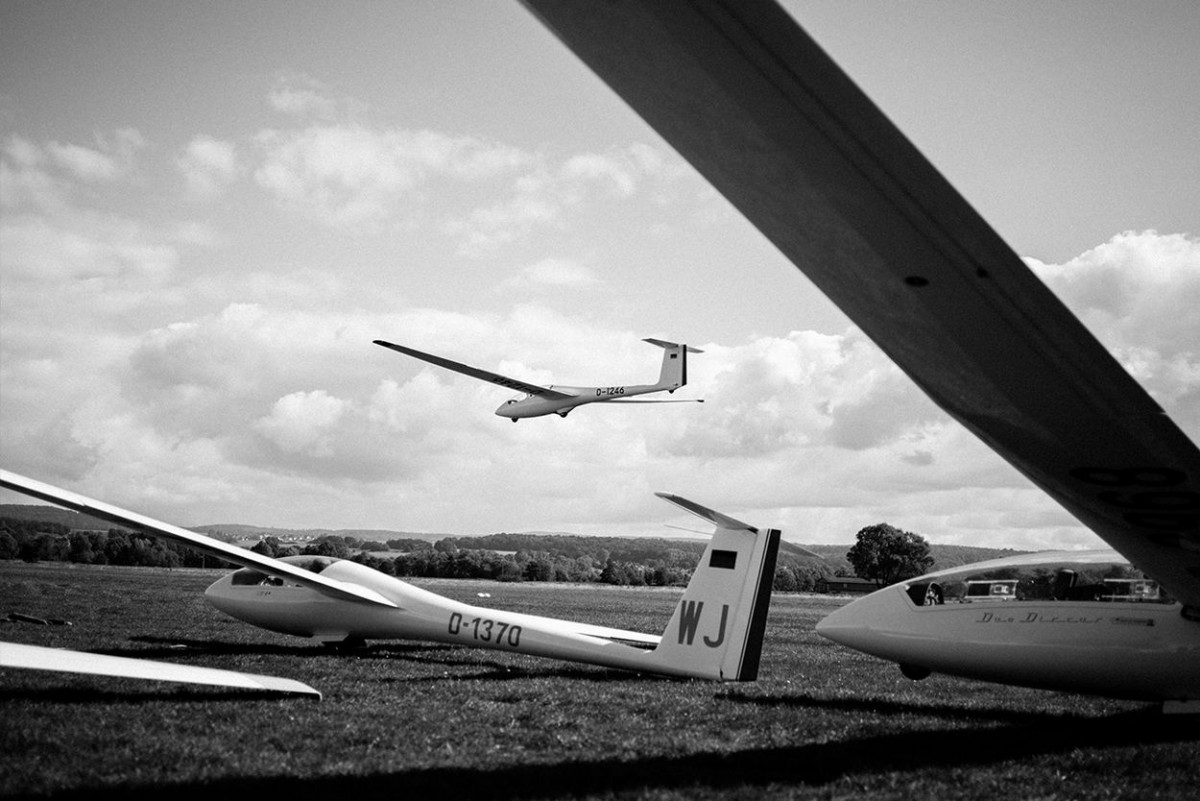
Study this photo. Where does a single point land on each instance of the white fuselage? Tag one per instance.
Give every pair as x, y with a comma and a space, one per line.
538, 405
290, 609
1123, 649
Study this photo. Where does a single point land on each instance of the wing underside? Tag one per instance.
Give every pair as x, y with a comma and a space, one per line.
475, 372
775, 125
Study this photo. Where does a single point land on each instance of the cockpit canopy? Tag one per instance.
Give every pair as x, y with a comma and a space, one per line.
249, 577
1101, 576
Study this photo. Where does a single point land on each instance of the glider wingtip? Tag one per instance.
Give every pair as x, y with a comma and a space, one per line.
290, 686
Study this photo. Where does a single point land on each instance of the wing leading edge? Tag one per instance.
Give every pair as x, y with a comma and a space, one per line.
36, 657
474, 372
775, 125
231, 553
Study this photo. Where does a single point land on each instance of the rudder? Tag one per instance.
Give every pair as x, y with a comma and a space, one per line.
673, 374
716, 631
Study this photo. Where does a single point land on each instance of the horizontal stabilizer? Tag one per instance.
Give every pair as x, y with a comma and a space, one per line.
716, 518
662, 343
35, 657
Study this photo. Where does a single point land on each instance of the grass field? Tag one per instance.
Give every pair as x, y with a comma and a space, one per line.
410, 720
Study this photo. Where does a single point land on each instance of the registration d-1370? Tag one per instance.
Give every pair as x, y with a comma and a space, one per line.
484, 630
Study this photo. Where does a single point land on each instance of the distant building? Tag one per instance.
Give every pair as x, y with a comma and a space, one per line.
846, 584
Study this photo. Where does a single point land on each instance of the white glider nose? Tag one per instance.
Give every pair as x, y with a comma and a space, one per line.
871, 624
845, 626
217, 593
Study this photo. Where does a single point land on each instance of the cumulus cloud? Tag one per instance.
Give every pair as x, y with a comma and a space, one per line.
208, 165
112, 157
541, 195
301, 101
43, 176
348, 175
84, 247
84, 162
300, 95
803, 390
554, 274
302, 422
1138, 293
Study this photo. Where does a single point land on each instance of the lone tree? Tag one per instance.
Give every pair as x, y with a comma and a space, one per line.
885, 554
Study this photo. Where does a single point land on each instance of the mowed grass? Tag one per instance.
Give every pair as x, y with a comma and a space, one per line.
412, 720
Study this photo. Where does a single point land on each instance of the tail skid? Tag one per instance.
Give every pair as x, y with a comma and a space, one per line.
673, 374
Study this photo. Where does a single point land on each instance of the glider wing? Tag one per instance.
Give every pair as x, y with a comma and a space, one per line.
475, 372
214, 547
774, 124
35, 657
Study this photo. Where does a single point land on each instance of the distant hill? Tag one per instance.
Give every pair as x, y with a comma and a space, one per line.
81, 522
944, 556
947, 556
622, 549
246, 532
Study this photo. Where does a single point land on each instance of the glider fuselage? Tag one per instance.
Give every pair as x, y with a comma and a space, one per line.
715, 631
421, 615
1102, 638
541, 405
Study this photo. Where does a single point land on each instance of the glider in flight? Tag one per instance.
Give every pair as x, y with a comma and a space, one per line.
537, 400
746, 96
715, 632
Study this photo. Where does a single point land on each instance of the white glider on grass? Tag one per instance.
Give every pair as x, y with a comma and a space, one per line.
536, 400
716, 630
741, 92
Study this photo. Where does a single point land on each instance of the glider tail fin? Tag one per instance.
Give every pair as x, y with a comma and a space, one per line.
716, 631
673, 374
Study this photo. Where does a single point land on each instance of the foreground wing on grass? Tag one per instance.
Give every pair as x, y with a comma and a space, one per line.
35, 657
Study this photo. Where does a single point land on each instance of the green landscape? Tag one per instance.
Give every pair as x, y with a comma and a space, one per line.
415, 720
45, 534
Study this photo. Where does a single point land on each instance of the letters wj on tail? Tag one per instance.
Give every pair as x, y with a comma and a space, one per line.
717, 629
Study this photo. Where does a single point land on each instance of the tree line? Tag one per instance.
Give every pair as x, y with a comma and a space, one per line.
882, 553
606, 560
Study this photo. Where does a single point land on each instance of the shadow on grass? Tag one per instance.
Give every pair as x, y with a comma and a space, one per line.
810, 765
175, 646
498, 672
168, 693
885, 707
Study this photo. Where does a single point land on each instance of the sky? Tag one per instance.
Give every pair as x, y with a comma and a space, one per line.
208, 211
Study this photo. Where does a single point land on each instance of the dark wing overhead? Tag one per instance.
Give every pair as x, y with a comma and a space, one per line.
775, 125
474, 372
